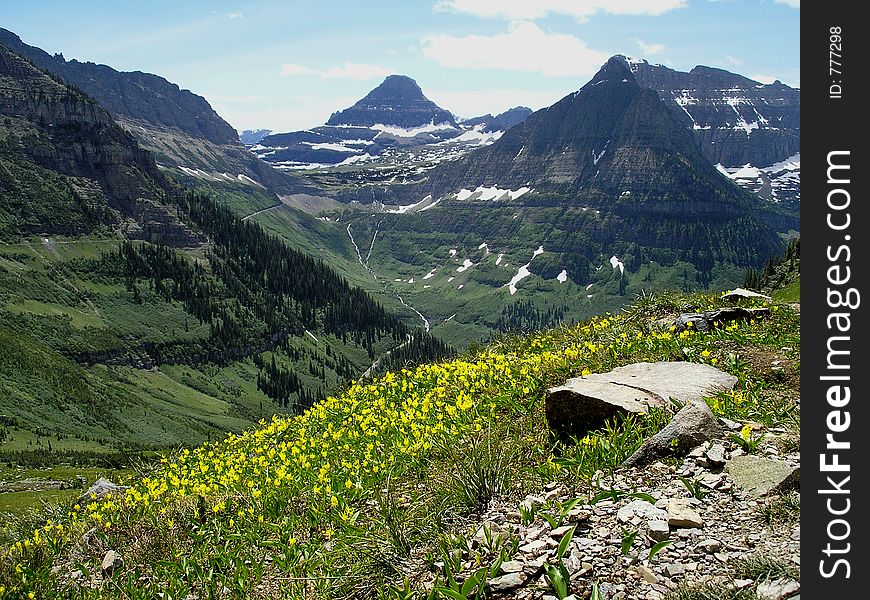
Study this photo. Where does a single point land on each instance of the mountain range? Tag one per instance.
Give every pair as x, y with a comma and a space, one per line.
459, 227
393, 124
178, 126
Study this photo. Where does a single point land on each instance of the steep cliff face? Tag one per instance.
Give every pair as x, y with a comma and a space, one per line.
135, 95
735, 120
98, 167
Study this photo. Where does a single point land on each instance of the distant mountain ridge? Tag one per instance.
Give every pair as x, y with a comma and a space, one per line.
81, 171
252, 136
736, 120
133, 95
500, 122
392, 121
612, 139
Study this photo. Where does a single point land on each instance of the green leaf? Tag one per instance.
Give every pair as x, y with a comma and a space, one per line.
628, 542
659, 546
603, 495
563, 544
596, 595
557, 582
445, 591
643, 496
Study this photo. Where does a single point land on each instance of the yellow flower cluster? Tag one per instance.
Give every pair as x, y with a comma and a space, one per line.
323, 463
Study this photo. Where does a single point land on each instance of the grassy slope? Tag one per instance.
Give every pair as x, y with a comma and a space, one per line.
386, 474
47, 310
402, 253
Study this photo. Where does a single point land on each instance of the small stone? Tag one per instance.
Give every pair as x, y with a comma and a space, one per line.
646, 574
532, 502
658, 530
642, 509
681, 513
712, 480
507, 583
560, 532
578, 515
533, 566
101, 487
709, 546
716, 454
742, 583
512, 566
674, 569
778, 589
534, 547
112, 562
732, 425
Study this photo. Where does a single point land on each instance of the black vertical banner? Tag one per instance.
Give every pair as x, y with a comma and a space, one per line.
835, 356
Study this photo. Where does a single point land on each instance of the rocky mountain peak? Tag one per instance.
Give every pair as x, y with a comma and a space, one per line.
616, 68
397, 101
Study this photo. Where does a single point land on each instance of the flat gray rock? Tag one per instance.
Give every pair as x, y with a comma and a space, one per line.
506, 583
759, 476
778, 589
585, 403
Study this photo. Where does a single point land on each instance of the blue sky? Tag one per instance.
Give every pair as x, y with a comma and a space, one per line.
286, 65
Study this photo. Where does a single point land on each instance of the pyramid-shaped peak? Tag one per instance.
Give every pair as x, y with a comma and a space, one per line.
398, 101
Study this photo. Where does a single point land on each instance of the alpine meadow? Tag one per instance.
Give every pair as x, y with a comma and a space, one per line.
519, 319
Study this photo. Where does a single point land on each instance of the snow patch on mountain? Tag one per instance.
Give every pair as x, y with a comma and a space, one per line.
523, 272
413, 132
491, 193
562, 277
617, 264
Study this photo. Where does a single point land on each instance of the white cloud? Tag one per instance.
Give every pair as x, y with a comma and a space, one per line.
289, 69
793, 3
580, 9
525, 47
733, 61
235, 15
650, 48
351, 70
472, 103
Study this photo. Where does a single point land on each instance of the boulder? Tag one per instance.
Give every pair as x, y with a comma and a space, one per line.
759, 476
738, 293
587, 402
694, 424
101, 487
710, 319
